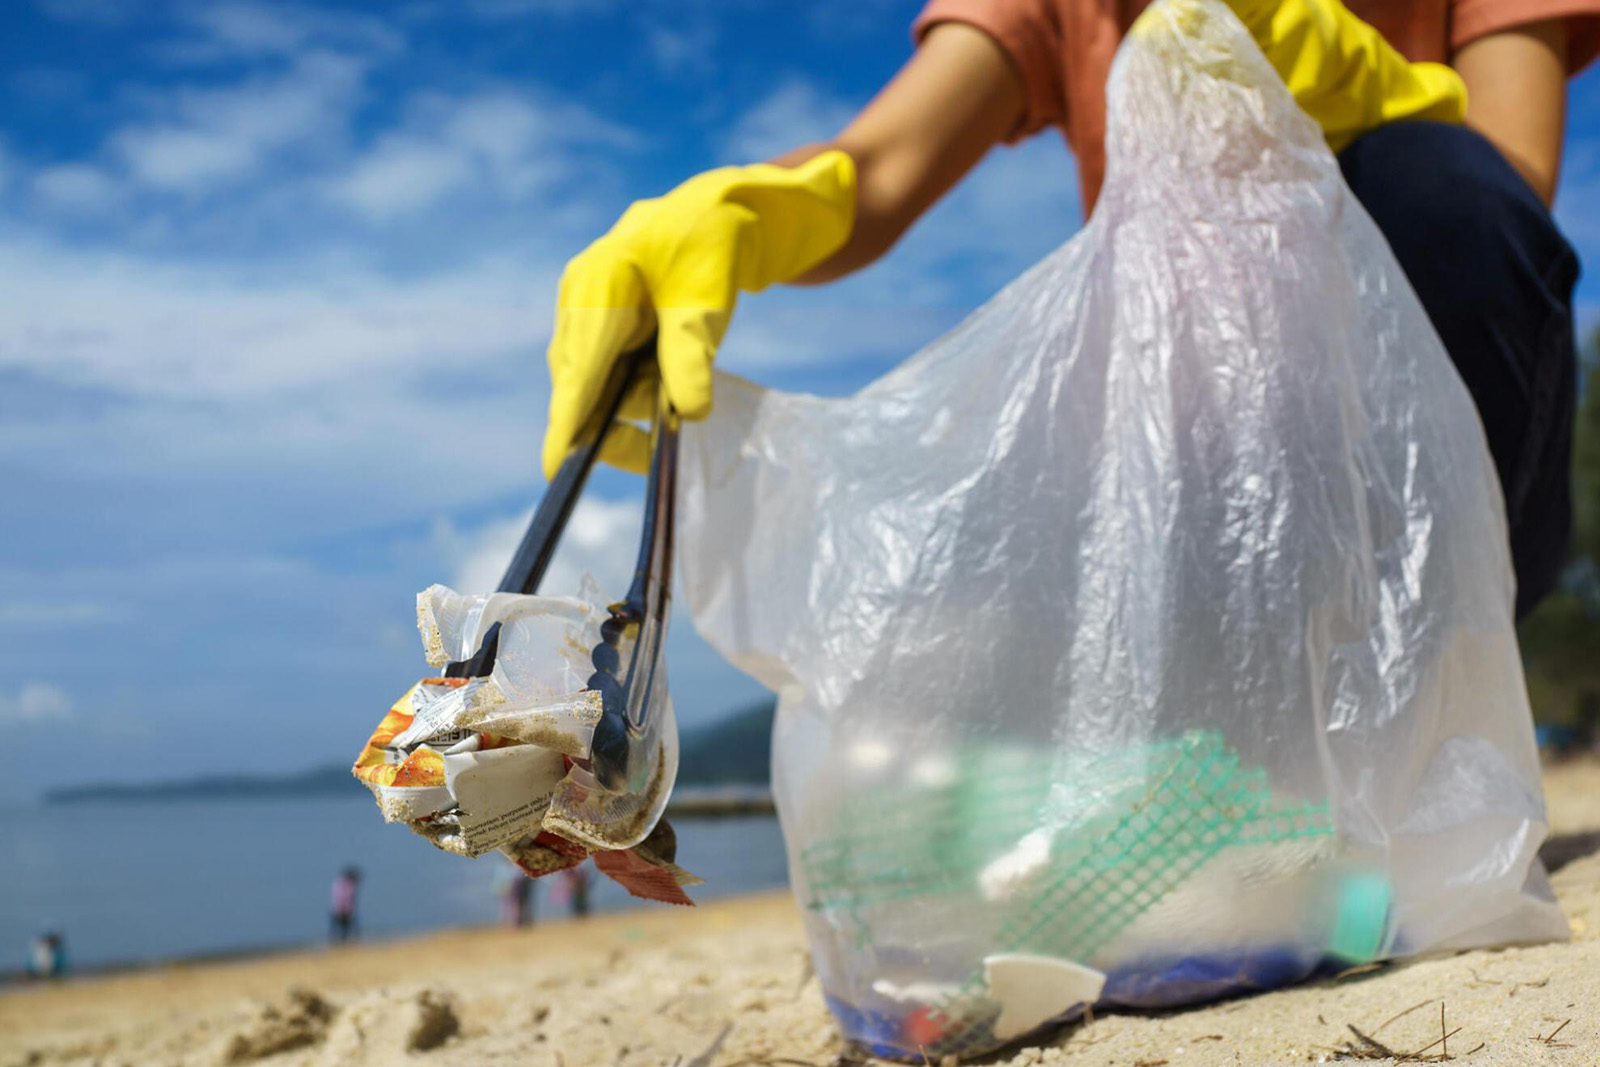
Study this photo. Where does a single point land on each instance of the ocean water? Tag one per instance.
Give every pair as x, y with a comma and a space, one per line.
129, 883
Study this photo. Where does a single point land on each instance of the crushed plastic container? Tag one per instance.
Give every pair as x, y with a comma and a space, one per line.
501, 762
1155, 624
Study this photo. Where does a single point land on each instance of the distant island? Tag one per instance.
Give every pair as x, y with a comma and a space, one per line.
331, 779
732, 752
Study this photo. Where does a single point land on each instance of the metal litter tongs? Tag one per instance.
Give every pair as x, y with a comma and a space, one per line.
627, 661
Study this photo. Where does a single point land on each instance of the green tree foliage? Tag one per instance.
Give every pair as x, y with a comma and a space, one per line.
1561, 640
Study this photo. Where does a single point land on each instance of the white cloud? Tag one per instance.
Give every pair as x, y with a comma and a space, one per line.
400, 176
141, 326
253, 27
212, 136
796, 113
233, 28
681, 49
510, 145
347, 451
34, 703
504, 127
175, 158
602, 539
76, 187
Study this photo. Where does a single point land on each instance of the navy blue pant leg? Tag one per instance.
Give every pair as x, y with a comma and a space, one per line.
1496, 278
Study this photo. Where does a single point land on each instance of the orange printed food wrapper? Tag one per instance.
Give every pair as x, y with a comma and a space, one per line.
407, 785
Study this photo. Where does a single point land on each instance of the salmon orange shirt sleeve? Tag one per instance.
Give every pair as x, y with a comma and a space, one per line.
1029, 32
1472, 19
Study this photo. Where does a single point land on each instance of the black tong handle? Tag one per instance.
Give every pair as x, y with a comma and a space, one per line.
624, 738
538, 545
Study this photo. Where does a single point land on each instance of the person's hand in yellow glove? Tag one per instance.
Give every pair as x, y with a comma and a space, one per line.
673, 266
1343, 73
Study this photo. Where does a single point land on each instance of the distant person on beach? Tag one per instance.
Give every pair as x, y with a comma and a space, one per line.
47, 956
574, 890
515, 890
342, 926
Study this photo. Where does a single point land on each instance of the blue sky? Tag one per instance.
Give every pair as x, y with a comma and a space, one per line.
275, 283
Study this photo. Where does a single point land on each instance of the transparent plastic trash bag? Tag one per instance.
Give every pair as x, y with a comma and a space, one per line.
1149, 636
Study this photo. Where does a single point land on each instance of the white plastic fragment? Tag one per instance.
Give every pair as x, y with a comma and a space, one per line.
502, 793
1032, 990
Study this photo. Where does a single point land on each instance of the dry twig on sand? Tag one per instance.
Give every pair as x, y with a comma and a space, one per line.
1551, 1039
1401, 1015
1367, 1047
1370, 1048
705, 1058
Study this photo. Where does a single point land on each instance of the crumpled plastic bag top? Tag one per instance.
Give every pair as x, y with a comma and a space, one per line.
497, 763
1157, 619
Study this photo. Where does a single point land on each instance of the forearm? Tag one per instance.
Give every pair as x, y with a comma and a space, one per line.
889, 200
951, 103
1516, 97
877, 225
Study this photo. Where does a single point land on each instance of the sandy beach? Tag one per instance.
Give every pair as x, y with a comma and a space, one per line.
729, 985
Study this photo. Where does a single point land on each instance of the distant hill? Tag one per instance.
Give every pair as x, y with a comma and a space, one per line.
737, 749
731, 751
331, 779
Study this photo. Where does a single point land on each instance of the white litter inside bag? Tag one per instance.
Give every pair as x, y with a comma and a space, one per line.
1178, 570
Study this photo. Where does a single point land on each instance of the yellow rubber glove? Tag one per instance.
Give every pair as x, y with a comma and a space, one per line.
1343, 73
674, 266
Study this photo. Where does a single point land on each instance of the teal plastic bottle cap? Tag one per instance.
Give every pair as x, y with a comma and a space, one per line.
1362, 918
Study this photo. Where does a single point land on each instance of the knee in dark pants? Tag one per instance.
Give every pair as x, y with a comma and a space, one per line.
1445, 198
1496, 278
